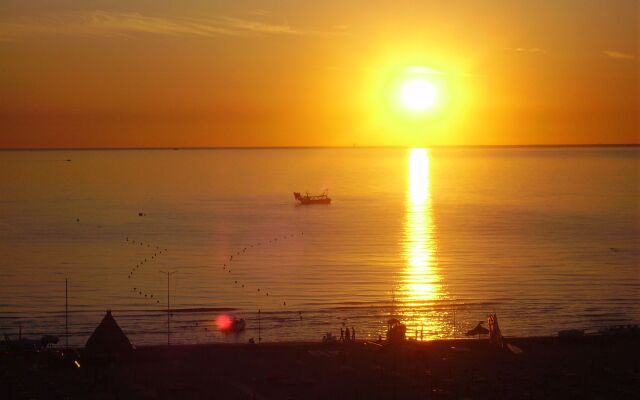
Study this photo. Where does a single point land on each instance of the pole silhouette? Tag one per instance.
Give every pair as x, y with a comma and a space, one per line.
66, 313
168, 273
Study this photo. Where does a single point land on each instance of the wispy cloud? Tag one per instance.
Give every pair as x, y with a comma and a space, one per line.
618, 55
529, 50
106, 23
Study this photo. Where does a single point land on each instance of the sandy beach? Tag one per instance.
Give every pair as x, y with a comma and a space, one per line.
584, 368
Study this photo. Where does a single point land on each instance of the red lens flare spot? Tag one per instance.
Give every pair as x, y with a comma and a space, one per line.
223, 322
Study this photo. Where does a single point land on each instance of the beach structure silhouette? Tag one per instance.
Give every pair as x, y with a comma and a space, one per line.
478, 330
108, 341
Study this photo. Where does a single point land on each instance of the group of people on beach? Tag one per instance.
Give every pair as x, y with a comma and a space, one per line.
348, 336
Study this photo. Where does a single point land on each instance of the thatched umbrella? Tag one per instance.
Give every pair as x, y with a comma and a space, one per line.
478, 330
108, 340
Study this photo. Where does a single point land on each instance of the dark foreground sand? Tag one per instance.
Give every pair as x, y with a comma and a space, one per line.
588, 368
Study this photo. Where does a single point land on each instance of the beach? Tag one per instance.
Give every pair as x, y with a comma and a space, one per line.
592, 367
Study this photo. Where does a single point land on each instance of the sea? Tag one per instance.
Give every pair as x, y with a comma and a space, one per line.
177, 242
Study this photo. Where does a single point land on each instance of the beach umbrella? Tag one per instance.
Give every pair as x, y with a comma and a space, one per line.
478, 330
108, 339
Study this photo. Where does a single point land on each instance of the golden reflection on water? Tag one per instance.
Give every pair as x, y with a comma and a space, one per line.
421, 284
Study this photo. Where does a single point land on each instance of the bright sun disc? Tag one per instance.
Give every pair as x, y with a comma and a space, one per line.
418, 94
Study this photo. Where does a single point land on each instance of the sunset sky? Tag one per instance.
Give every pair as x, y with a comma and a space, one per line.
162, 73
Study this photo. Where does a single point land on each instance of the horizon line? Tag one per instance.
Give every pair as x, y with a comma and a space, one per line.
565, 145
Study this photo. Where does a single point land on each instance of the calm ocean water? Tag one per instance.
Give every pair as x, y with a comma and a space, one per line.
548, 238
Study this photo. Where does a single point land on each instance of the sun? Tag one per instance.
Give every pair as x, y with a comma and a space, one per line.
417, 94
406, 99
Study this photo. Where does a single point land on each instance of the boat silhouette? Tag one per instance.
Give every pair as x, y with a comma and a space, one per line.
308, 199
236, 326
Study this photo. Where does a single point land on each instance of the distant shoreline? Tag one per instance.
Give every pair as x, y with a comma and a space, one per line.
501, 146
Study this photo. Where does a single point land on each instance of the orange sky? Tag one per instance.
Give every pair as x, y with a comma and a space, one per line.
295, 73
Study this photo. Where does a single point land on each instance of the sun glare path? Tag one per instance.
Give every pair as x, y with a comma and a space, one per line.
421, 279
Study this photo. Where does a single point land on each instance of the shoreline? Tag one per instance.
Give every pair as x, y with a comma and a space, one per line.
588, 337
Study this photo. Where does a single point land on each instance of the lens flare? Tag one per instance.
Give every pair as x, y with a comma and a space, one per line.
223, 322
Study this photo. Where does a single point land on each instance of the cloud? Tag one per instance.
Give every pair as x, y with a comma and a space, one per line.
618, 55
529, 50
106, 23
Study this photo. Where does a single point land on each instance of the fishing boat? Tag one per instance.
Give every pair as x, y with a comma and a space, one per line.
308, 199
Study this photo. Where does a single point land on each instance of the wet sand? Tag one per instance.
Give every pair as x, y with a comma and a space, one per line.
586, 368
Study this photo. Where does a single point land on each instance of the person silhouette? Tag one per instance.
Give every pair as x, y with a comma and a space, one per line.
341, 334
347, 335
353, 333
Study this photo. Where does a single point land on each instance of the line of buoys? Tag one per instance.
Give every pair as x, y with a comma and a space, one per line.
227, 268
141, 263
